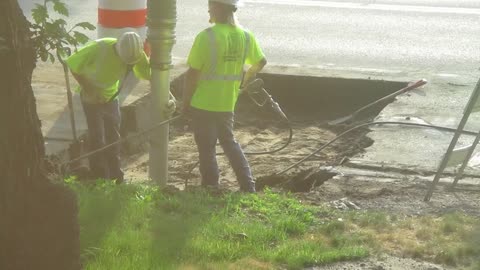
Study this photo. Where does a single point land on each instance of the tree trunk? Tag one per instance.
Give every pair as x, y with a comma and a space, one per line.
38, 219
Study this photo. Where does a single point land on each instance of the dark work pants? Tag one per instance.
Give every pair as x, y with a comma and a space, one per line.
208, 127
103, 122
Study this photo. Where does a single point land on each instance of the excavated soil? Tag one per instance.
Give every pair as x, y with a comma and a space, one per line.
257, 130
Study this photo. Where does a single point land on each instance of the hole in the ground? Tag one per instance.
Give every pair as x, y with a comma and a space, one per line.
303, 181
313, 100
323, 98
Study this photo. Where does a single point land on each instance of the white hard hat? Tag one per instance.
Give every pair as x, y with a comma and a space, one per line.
130, 48
235, 3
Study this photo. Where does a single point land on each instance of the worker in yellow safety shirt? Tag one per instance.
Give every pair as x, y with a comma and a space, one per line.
213, 80
98, 68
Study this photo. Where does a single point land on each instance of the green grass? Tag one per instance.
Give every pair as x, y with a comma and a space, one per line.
139, 227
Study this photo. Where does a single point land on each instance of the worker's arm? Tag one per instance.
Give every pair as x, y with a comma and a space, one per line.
252, 71
142, 68
84, 83
255, 58
191, 81
197, 58
82, 61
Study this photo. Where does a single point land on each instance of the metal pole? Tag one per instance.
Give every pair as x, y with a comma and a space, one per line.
468, 110
161, 20
69, 93
465, 162
70, 103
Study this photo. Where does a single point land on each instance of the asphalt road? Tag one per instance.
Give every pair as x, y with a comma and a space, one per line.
382, 34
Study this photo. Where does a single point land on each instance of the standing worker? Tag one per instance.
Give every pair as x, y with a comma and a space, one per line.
98, 68
213, 81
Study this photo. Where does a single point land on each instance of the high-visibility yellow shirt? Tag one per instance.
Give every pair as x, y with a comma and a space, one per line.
220, 53
99, 63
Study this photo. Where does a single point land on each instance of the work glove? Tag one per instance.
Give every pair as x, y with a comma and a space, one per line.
92, 95
251, 86
170, 109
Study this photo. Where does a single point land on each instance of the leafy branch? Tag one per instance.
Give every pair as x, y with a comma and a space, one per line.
49, 34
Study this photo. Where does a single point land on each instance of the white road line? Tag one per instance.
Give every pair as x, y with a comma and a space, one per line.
405, 8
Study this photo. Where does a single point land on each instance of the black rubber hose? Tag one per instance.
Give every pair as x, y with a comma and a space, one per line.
121, 140
290, 136
371, 124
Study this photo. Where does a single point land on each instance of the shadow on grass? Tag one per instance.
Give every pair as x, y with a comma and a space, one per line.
176, 223
141, 227
100, 206
138, 226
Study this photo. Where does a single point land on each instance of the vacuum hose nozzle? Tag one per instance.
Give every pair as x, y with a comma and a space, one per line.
256, 91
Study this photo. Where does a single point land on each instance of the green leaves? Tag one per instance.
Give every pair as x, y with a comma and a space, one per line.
86, 25
60, 8
60, 23
45, 56
81, 38
51, 34
39, 13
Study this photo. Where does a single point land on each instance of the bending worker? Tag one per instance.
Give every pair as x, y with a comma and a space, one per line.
98, 68
213, 81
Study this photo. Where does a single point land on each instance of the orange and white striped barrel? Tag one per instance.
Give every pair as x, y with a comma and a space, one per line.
116, 17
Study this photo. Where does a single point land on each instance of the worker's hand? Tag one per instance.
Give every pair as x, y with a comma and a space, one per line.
252, 86
93, 95
242, 90
85, 83
186, 118
170, 108
245, 83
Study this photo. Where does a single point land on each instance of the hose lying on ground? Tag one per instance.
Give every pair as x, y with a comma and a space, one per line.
289, 140
122, 140
441, 128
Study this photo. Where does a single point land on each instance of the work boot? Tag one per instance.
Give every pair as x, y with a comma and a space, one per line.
170, 189
247, 188
214, 190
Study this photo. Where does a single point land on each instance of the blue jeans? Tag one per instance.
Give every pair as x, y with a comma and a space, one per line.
103, 121
208, 127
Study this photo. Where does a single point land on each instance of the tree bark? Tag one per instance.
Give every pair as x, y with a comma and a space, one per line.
38, 219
